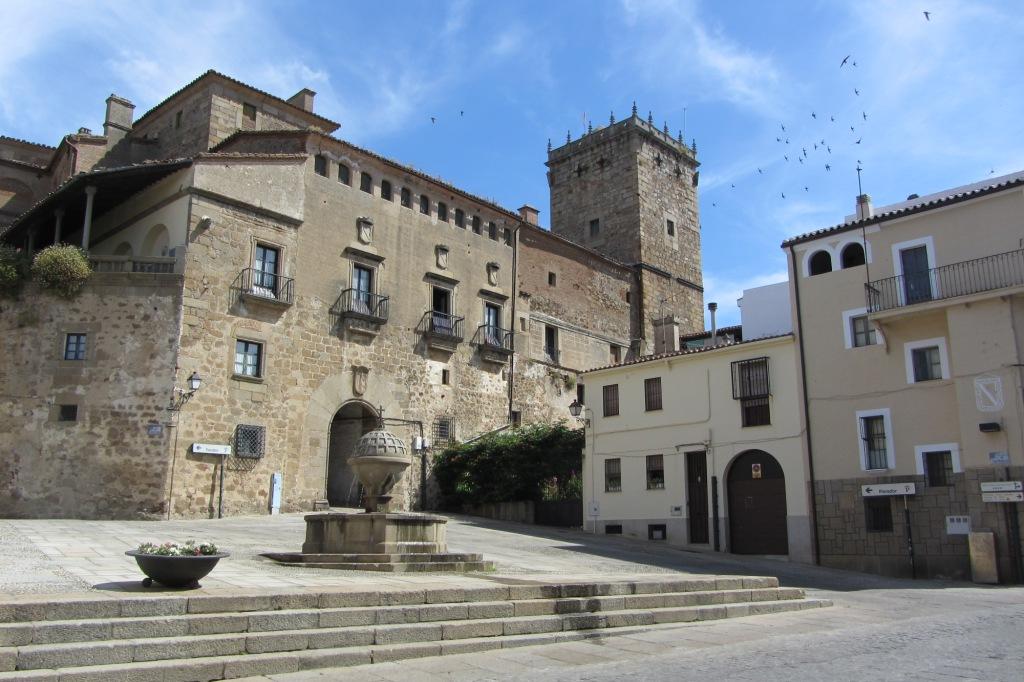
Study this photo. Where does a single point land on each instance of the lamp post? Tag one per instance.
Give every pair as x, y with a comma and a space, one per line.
180, 396
579, 411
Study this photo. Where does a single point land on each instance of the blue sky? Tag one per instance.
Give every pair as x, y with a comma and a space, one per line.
943, 97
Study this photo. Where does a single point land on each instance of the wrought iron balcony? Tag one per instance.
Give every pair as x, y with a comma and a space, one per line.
362, 305
948, 281
266, 287
442, 326
150, 266
491, 337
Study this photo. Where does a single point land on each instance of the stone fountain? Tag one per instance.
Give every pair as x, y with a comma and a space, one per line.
379, 539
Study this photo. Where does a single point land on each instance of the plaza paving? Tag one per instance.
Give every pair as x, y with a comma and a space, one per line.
879, 628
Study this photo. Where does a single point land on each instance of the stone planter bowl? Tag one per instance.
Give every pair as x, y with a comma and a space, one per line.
175, 571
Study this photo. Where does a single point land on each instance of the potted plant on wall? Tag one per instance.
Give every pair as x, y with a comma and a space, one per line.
176, 565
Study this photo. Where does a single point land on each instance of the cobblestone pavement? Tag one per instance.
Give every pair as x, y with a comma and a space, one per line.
879, 628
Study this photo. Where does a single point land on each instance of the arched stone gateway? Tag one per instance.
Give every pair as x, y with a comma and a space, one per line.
757, 505
350, 422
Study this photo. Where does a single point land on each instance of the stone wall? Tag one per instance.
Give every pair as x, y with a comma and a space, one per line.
111, 462
845, 543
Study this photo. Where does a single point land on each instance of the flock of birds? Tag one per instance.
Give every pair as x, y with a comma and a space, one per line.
814, 149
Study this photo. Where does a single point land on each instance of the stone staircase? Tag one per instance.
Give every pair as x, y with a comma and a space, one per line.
446, 562
212, 637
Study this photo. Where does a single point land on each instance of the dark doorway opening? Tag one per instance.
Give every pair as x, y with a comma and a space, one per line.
757, 505
349, 424
697, 495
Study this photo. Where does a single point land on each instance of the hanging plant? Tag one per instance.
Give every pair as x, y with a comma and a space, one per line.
62, 268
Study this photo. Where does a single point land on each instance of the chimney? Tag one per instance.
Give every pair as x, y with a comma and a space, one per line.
666, 335
712, 309
118, 122
303, 99
864, 209
529, 214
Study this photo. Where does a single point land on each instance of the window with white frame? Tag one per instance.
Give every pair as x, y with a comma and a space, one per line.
926, 360
858, 330
937, 463
874, 433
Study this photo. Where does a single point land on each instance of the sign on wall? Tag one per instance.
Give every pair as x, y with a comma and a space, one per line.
211, 449
1002, 487
999, 458
888, 489
1002, 497
988, 393
958, 525
595, 509
755, 470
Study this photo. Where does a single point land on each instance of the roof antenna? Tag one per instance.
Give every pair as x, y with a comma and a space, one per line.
860, 190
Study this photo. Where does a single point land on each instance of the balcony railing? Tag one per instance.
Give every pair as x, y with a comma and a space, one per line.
442, 326
265, 286
362, 305
948, 281
152, 266
492, 337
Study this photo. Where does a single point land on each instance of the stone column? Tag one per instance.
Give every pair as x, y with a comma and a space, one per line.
58, 216
90, 193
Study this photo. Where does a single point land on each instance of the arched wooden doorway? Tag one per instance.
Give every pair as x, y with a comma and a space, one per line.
354, 419
757, 505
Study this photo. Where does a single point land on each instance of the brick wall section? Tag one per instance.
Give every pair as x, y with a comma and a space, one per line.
845, 543
105, 465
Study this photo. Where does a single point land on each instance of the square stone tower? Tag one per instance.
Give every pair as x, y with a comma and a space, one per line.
629, 191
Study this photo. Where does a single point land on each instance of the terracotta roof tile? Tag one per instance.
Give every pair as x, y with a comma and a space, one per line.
689, 351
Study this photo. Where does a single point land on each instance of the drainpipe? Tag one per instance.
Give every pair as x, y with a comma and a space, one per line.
90, 194
807, 416
515, 295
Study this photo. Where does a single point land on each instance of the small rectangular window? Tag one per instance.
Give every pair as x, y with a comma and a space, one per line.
460, 218
442, 211
551, 343
616, 353
755, 411
444, 431
177, 120
74, 347
652, 394
385, 190
657, 531
873, 434
878, 514
68, 413
595, 227
552, 279
613, 529
320, 165
366, 183
862, 330
476, 224
629, 298
581, 393
492, 231
613, 475
445, 377
406, 197
611, 400
507, 236
249, 111
671, 227
344, 174
424, 204
655, 472
750, 378
250, 441
517, 418
927, 363
248, 358
938, 467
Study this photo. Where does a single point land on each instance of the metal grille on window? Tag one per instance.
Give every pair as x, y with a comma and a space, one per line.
878, 514
751, 387
611, 400
652, 394
873, 433
655, 472
613, 475
444, 431
250, 441
939, 468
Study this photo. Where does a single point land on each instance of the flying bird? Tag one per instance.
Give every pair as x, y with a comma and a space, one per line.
832, 118
760, 172
778, 139
864, 114
800, 159
805, 189
787, 140
714, 204
785, 157
852, 130
855, 62
783, 194
858, 140
783, 127
804, 150
829, 149
732, 185
843, 63
992, 172
927, 16
814, 115
815, 146
828, 167
856, 92
433, 120
461, 112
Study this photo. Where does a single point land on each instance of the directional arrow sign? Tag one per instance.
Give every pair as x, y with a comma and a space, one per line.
1002, 497
887, 489
1002, 487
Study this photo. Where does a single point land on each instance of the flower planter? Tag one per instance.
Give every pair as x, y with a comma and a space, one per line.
175, 571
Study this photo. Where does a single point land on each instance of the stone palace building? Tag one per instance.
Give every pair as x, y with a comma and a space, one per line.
313, 287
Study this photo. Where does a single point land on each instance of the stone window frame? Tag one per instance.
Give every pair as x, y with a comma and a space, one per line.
849, 339
61, 401
282, 254
442, 212
373, 264
91, 331
440, 282
492, 230
460, 218
552, 279
81, 346
890, 449
477, 225
244, 333
317, 159
246, 108
908, 358
261, 360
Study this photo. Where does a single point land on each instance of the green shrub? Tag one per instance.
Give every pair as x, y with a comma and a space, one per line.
529, 463
14, 269
62, 268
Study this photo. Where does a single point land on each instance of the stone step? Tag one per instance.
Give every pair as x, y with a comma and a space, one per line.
410, 567
297, 558
230, 656
36, 608
100, 629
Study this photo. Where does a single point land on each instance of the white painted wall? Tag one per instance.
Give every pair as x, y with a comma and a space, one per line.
765, 311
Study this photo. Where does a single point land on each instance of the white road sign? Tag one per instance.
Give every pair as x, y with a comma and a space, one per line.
211, 449
1002, 497
1002, 487
887, 489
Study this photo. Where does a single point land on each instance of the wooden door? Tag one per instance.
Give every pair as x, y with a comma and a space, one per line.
697, 495
757, 505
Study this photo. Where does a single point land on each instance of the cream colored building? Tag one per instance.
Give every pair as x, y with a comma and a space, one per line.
700, 448
910, 321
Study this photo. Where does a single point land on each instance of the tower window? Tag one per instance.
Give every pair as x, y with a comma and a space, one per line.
366, 183
492, 231
424, 204
460, 218
446, 377
320, 165
344, 174
68, 413
442, 211
249, 111
406, 197
177, 120
385, 190
595, 227
552, 279
671, 228
476, 224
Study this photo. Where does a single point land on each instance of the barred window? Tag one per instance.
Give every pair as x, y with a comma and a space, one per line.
366, 183
385, 190
460, 218
873, 433
655, 472
878, 514
476, 224
442, 211
492, 231
613, 475
320, 165
611, 400
344, 174
250, 441
444, 431
652, 394
938, 467
424, 204
406, 197
750, 378
74, 347
755, 411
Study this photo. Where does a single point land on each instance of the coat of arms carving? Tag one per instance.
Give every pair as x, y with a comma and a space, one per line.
492, 274
442, 256
365, 230
359, 377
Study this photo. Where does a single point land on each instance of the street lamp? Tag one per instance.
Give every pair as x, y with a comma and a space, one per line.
180, 396
576, 408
